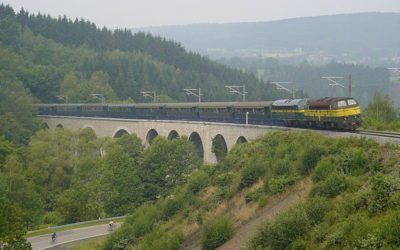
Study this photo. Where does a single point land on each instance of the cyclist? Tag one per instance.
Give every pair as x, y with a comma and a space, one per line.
53, 237
110, 225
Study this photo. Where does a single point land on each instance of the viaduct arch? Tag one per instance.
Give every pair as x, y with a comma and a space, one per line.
199, 133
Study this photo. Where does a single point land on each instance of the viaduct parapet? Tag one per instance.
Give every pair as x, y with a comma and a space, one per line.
201, 134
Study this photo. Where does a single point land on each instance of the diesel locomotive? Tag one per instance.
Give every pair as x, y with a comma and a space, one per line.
337, 113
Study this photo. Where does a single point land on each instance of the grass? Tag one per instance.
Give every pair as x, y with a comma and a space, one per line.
43, 231
95, 243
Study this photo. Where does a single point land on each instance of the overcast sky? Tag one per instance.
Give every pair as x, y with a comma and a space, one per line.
141, 13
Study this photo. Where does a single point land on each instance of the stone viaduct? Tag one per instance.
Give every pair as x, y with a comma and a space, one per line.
201, 134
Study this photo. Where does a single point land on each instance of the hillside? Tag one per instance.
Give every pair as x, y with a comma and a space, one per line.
313, 192
53, 57
345, 36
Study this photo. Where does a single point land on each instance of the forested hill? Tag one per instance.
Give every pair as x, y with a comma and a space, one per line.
51, 57
361, 33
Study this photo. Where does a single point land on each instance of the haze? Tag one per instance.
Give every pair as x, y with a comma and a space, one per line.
130, 14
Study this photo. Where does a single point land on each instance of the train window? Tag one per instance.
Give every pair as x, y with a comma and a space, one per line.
341, 103
351, 102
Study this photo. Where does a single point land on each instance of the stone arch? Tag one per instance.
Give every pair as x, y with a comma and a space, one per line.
44, 125
241, 139
198, 144
60, 126
89, 132
219, 147
120, 132
173, 135
150, 136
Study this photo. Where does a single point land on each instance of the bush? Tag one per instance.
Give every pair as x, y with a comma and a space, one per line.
311, 156
351, 161
316, 208
323, 169
282, 167
382, 189
159, 239
217, 232
171, 206
332, 186
287, 228
253, 195
197, 181
279, 184
390, 229
250, 174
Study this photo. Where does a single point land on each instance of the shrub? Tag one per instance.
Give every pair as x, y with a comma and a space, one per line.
217, 232
159, 239
253, 195
311, 156
279, 184
171, 206
250, 174
316, 208
390, 229
382, 189
197, 181
282, 167
225, 179
287, 228
332, 186
323, 169
352, 161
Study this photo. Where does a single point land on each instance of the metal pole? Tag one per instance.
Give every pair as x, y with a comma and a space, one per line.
199, 95
244, 93
247, 118
350, 85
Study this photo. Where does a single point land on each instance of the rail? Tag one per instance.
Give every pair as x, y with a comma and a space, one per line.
388, 134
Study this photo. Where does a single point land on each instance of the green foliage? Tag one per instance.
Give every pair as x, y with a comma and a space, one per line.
323, 169
253, 195
171, 205
13, 225
140, 223
332, 186
159, 239
251, 173
390, 229
311, 156
352, 161
197, 181
166, 164
217, 232
17, 120
381, 114
52, 56
279, 184
279, 234
382, 188
316, 208
219, 148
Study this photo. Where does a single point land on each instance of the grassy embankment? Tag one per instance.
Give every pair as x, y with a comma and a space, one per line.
217, 198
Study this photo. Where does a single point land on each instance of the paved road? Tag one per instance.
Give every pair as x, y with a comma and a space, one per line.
44, 241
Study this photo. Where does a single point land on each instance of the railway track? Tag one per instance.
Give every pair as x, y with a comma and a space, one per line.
378, 133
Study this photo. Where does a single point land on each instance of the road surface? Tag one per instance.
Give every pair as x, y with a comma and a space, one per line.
44, 241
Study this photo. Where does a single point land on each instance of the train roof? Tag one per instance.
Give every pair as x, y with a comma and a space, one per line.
289, 102
326, 101
174, 105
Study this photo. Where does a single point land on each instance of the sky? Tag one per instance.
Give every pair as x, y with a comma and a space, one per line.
143, 13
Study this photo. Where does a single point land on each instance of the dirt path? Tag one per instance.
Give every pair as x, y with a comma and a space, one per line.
245, 231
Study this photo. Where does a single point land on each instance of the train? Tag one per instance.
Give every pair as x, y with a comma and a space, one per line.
336, 113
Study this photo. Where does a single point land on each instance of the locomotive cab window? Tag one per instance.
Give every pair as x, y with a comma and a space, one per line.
341, 103
351, 102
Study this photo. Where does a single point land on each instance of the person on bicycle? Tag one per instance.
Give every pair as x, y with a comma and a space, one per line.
110, 225
53, 236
